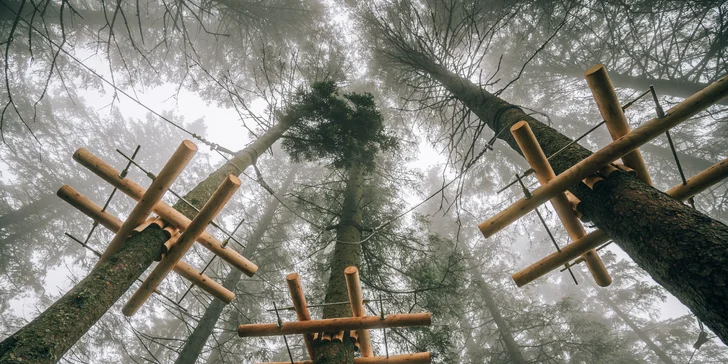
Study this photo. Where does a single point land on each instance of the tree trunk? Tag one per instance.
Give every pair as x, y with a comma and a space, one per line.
48, 337
347, 252
682, 249
17, 216
504, 329
196, 341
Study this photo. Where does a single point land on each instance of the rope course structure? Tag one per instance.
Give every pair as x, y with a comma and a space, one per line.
181, 232
355, 328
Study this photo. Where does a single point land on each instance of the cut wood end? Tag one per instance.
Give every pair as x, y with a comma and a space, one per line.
594, 69
351, 270
189, 145
65, 191
232, 179
292, 276
78, 152
250, 269
518, 125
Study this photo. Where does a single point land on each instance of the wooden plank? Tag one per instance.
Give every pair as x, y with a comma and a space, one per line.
169, 214
356, 300
198, 225
606, 98
615, 150
300, 306
335, 324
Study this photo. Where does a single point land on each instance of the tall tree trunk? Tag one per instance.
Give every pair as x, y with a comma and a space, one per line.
676, 88
504, 329
347, 252
683, 250
17, 216
196, 341
50, 335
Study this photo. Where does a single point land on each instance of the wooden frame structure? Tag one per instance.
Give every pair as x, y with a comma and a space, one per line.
615, 150
358, 325
170, 220
625, 145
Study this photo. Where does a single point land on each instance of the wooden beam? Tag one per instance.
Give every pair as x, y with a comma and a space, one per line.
544, 173
166, 212
300, 306
615, 150
701, 181
335, 324
89, 208
174, 166
596, 238
417, 358
208, 212
111, 222
356, 300
608, 103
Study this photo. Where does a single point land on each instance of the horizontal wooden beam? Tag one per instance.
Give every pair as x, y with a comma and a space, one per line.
198, 225
606, 98
356, 300
111, 222
417, 358
701, 181
615, 150
166, 212
300, 306
596, 238
335, 324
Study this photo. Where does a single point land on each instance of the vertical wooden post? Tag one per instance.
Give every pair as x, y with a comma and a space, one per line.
356, 300
166, 212
208, 212
608, 103
299, 304
544, 173
153, 194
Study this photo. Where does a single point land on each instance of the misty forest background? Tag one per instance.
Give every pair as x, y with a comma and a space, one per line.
228, 70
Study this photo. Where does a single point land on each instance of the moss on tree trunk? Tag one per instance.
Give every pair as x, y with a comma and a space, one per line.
345, 255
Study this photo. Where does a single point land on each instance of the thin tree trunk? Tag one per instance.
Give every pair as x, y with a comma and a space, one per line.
196, 341
48, 337
347, 252
676, 88
504, 329
683, 250
17, 216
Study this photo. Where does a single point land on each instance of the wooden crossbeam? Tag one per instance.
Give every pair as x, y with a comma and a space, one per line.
544, 173
416, 358
166, 212
174, 166
198, 225
356, 300
299, 305
593, 240
615, 150
335, 324
111, 222
606, 98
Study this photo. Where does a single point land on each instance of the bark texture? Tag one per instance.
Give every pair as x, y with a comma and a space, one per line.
196, 341
345, 255
683, 250
50, 348
50, 335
